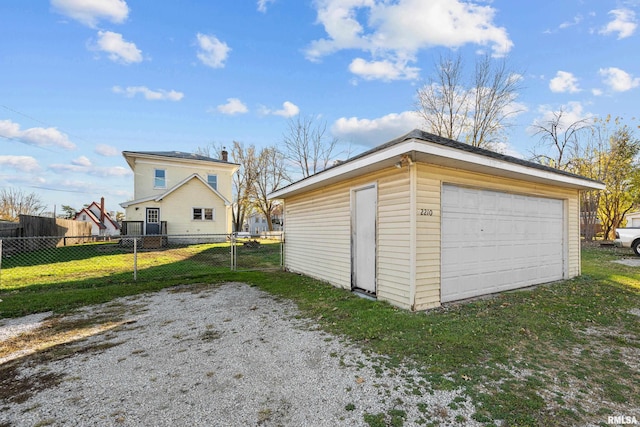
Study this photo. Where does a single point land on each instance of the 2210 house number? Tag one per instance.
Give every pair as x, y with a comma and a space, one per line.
426, 212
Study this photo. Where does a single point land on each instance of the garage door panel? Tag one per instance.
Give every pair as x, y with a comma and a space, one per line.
494, 241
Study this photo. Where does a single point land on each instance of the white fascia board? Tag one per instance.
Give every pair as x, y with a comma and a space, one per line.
453, 157
505, 166
135, 202
343, 169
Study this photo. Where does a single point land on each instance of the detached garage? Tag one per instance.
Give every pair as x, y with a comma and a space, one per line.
423, 220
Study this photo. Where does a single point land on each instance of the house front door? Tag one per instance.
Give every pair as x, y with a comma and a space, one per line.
152, 223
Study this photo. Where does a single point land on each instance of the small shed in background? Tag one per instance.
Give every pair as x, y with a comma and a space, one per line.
423, 220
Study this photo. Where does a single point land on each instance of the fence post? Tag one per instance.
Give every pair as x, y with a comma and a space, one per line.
135, 259
0, 261
233, 251
282, 251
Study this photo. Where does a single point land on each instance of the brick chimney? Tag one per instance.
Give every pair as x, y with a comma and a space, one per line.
225, 154
102, 210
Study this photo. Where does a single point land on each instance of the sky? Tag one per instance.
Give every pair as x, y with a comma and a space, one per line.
83, 80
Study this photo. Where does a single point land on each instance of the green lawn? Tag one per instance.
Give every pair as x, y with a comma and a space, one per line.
561, 354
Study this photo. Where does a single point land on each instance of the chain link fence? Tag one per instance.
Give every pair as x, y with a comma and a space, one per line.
26, 261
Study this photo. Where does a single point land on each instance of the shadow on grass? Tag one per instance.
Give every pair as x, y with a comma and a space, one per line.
84, 280
61, 254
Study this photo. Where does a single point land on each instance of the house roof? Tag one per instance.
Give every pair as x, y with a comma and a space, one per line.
91, 216
159, 197
95, 217
425, 147
176, 155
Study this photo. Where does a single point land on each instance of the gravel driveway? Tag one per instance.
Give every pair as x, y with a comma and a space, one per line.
228, 355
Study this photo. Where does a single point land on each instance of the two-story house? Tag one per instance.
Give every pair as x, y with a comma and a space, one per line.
178, 193
256, 222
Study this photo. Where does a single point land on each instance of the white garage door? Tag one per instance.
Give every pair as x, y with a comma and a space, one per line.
493, 241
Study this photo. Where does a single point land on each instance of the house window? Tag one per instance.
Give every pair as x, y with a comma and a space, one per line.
203, 214
213, 181
160, 178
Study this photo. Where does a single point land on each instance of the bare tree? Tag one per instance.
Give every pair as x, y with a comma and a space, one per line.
443, 101
561, 138
243, 182
475, 110
243, 179
14, 202
494, 95
213, 150
307, 145
270, 175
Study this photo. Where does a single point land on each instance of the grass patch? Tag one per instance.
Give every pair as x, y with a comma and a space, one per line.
63, 279
548, 356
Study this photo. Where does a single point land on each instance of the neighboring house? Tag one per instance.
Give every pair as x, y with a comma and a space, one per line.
101, 222
633, 219
179, 193
423, 220
256, 223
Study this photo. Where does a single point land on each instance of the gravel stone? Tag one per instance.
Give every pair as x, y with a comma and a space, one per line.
228, 355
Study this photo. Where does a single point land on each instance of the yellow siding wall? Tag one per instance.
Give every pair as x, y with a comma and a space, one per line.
430, 180
177, 208
318, 234
175, 173
318, 230
394, 250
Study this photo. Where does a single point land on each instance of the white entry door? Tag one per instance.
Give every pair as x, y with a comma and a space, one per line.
494, 241
363, 239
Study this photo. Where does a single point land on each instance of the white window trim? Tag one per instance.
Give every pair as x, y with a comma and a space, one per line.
154, 178
213, 214
213, 174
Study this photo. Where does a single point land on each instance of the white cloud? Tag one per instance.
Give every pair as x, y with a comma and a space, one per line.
20, 163
262, 5
233, 106
118, 49
576, 20
41, 137
89, 12
371, 132
571, 113
383, 70
289, 109
212, 51
110, 171
619, 80
106, 150
150, 95
81, 161
396, 31
596, 92
564, 82
99, 171
624, 23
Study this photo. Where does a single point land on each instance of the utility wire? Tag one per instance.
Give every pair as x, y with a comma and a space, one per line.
13, 110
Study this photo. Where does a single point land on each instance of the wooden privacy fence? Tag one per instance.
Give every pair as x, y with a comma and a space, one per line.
38, 226
59, 232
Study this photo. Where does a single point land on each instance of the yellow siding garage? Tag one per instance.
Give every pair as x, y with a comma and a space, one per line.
425, 186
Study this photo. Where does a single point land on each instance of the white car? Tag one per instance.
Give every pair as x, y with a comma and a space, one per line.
628, 238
